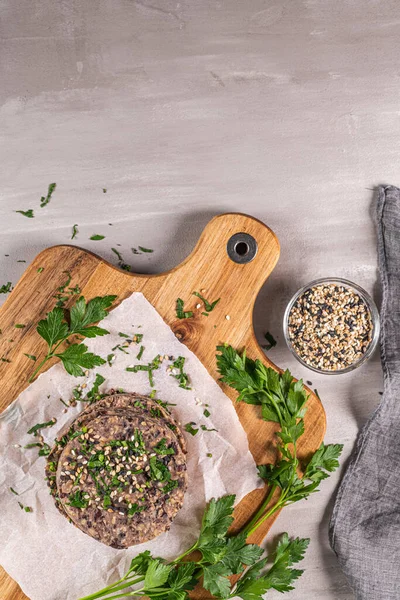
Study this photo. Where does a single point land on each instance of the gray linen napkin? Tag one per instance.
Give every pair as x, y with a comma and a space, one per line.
365, 525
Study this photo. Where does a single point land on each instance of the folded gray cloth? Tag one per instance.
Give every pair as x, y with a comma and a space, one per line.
365, 525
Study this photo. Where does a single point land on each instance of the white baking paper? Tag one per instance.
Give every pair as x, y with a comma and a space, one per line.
49, 557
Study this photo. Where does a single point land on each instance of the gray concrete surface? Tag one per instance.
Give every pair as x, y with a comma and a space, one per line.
287, 110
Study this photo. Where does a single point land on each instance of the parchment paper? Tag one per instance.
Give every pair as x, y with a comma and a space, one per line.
49, 557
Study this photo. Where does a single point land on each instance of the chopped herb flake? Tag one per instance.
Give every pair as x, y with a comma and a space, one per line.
30, 356
119, 256
45, 200
145, 249
140, 353
180, 312
74, 231
181, 376
19, 325
110, 358
77, 500
34, 430
40, 270
6, 288
271, 341
190, 429
206, 413
13, 491
209, 306
26, 213
96, 237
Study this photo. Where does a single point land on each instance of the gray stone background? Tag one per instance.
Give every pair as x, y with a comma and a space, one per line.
286, 110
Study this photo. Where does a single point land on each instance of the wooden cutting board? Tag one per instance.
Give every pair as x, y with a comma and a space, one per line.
208, 268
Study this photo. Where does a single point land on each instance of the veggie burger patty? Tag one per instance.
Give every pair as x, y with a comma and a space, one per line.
118, 472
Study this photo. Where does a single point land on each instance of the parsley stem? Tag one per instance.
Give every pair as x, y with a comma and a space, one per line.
268, 514
191, 549
36, 371
115, 587
261, 510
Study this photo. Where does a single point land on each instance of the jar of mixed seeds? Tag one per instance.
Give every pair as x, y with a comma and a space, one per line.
331, 326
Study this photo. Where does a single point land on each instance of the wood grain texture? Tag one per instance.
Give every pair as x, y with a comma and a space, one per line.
207, 268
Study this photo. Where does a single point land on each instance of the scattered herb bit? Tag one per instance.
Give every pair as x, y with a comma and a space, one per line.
110, 358
124, 335
40, 270
26, 213
271, 341
283, 401
104, 190
77, 500
33, 445
162, 449
153, 394
6, 288
96, 237
209, 306
121, 348
13, 491
152, 366
204, 428
45, 450
137, 338
206, 412
140, 353
190, 429
45, 200
31, 356
74, 231
56, 329
19, 325
119, 256
6, 360
93, 394
21, 261
34, 430
209, 455
135, 508
27, 509
180, 312
135, 251
309, 382
181, 376
145, 249
206, 314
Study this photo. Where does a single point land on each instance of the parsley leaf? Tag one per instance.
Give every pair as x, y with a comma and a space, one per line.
55, 329
76, 358
157, 574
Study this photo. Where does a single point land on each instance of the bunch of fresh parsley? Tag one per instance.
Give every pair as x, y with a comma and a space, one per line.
60, 324
218, 558
282, 400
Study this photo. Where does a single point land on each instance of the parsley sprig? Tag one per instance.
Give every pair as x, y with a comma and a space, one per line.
219, 557
59, 325
282, 400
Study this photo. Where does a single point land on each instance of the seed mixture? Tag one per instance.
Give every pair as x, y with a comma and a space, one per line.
330, 327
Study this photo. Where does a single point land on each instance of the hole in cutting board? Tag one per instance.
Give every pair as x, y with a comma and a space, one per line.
241, 248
